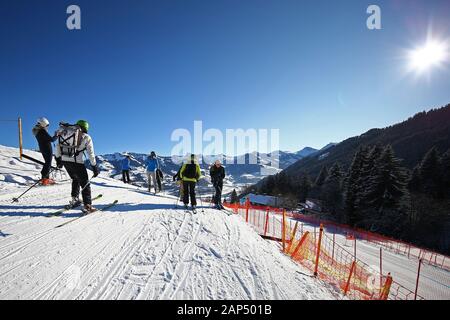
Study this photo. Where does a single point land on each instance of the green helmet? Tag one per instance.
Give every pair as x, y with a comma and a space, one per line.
83, 124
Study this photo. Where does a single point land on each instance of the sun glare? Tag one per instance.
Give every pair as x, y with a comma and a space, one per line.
433, 53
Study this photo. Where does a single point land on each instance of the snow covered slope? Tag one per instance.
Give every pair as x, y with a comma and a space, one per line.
141, 249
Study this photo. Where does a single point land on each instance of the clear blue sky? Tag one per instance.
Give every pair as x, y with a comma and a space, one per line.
139, 69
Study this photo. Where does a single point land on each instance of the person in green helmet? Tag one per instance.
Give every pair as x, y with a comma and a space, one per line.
74, 141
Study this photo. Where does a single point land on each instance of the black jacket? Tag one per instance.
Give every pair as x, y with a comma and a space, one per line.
217, 174
44, 140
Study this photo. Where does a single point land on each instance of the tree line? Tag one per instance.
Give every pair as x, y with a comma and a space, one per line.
378, 194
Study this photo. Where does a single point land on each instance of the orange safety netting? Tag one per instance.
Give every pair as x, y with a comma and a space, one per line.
319, 252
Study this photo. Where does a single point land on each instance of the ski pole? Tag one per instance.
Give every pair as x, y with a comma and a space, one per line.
179, 195
201, 201
88, 183
34, 185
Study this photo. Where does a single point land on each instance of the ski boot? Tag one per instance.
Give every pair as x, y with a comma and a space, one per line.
88, 208
47, 182
221, 206
75, 202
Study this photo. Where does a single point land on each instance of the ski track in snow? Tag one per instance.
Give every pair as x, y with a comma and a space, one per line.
142, 248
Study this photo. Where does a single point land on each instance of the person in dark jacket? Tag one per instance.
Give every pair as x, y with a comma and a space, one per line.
190, 174
126, 169
217, 173
40, 131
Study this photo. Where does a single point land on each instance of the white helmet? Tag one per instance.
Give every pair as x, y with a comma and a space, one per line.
43, 122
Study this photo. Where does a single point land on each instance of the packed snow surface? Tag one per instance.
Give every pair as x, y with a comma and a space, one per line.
143, 248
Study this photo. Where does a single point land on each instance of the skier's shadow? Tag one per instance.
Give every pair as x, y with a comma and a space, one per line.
129, 207
4, 235
21, 213
102, 184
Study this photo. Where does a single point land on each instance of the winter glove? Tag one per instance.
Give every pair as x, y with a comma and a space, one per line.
59, 163
96, 171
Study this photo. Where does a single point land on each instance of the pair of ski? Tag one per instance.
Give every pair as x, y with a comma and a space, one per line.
66, 208
108, 206
69, 207
193, 210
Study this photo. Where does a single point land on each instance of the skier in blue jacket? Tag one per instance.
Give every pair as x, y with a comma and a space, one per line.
126, 169
152, 165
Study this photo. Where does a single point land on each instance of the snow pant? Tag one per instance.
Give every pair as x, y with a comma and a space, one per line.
189, 191
80, 179
45, 172
180, 185
126, 176
218, 186
151, 176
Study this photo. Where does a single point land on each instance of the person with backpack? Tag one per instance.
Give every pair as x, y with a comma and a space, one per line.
152, 165
40, 131
217, 173
126, 169
190, 174
73, 142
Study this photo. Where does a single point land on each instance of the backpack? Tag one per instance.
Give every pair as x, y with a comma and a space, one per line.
69, 139
190, 171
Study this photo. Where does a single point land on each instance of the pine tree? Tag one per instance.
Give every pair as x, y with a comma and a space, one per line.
387, 188
430, 174
353, 187
445, 173
332, 191
321, 177
304, 188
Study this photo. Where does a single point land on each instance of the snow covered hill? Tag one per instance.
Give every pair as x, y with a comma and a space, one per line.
143, 248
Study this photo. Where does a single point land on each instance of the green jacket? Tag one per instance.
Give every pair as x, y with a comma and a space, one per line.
187, 173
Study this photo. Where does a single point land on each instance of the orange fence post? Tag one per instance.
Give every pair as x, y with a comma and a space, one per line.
292, 237
316, 268
387, 287
266, 224
283, 231
300, 243
347, 285
417, 280
247, 206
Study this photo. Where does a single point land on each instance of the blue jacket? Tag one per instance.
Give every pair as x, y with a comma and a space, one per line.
126, 164
152, 164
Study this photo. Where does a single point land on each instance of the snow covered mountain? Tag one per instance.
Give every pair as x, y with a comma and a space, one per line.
237, 174
143, 248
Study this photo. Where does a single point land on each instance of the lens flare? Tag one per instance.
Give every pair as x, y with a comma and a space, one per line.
432, 53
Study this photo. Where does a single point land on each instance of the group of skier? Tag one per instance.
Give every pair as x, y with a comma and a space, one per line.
73, 141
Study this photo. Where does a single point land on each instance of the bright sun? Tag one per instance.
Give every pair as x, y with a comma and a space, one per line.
432, 54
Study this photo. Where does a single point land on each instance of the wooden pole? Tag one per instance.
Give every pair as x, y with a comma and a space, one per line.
347, 285
417, 280
283, 231
316, 268
300, 243
20, 137
381, 267
266, 224
334, 241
